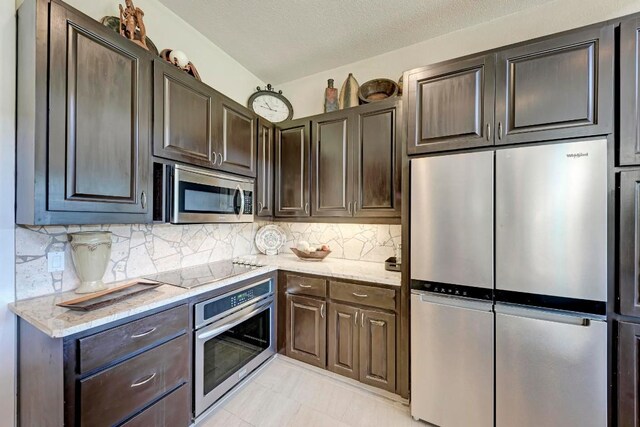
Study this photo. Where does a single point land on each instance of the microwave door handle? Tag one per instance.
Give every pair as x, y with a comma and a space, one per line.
226, 327
240, 209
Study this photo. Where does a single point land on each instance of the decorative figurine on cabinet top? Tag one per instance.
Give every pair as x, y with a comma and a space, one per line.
180, 60
131, 20
349, 93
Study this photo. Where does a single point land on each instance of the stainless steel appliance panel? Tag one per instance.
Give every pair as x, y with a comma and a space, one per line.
202, 196
551, 369
451, 361
452, 219
551, 219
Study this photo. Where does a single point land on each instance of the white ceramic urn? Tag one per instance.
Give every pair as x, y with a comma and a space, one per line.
91, 251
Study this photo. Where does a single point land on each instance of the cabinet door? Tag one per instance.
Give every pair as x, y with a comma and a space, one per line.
376, 160
556, 88
378, 349
331, 170
306, 330
99, 118
237, 138
292, 169
451, 106
629, 291
183, 114
630, 96
343, 340
628, 374
264, 180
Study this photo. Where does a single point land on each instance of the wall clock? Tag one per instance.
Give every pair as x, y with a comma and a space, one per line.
270, 104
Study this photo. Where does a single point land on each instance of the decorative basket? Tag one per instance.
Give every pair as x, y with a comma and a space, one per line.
310, 256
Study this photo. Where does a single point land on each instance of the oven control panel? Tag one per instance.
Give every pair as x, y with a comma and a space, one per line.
226, 304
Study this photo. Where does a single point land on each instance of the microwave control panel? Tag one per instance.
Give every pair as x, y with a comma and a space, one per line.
248, 203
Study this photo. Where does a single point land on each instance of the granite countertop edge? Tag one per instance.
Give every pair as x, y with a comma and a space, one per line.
57, 322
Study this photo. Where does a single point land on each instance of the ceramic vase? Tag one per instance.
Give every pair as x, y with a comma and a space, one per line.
331, 98
90, 251
349, 92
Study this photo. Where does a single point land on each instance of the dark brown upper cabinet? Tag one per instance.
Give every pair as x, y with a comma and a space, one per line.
84, 102
264, 180
331, 177
559, 87
236, 138
354, 167
451, 105
629, 259
628, 374
630, 93
376, 160
184, 128
292, 160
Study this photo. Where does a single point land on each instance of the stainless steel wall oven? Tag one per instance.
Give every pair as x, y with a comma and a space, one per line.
235, 333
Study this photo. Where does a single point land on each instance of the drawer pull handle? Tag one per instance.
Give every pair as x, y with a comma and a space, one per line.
355, 319
144, 380
144, 334
355, 294
377, 322
305, 286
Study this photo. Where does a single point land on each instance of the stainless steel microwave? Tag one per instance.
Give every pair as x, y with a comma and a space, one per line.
201, 196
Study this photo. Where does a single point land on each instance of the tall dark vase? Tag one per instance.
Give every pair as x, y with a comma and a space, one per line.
331, 98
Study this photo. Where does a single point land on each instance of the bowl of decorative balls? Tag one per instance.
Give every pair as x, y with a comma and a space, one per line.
307, 252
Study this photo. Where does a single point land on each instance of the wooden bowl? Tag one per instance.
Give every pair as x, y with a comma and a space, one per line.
310, 256
377, 90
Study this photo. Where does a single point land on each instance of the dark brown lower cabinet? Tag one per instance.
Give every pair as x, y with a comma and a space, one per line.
307, 330
378, 349
135, 374
343, 344
362, 345
355, 336
628, 370
170, 411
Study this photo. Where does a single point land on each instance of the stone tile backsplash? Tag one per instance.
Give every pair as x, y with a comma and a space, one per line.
143, 249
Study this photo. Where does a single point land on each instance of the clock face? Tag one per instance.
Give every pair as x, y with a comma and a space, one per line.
271, 108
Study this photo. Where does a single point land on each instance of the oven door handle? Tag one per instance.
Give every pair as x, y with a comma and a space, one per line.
227, 326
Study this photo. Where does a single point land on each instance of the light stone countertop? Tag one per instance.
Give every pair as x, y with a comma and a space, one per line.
57, 322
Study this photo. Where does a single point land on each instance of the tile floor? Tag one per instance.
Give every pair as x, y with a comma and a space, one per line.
285, 393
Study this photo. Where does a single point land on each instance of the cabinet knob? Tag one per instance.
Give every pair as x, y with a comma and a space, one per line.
143, 199
349, 208
306, 208
220, 164
488, 131
499, 130
215, 157
322, 311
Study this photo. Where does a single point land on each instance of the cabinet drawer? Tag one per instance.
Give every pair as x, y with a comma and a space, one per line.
365, 295
170, 411
306, 286
104, 347
117, 392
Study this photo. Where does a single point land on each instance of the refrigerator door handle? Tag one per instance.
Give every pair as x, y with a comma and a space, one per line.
576, 319
466, 303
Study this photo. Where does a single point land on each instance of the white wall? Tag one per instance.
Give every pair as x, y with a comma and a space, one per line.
7, 255
306, 94
167, 30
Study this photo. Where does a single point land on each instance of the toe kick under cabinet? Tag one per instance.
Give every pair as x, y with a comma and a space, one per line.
134, 374
347, 328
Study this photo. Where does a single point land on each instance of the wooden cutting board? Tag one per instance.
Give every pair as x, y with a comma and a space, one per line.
110, 296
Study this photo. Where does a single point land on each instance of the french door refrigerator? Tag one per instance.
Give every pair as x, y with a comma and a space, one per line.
545, 332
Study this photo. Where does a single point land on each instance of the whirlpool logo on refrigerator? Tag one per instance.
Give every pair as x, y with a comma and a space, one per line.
577, 155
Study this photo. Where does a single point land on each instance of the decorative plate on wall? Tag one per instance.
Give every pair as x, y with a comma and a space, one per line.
269, 239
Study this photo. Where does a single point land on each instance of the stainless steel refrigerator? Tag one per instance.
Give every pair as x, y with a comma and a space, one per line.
509, 277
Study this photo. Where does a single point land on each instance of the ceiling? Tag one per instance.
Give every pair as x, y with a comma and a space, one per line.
282, 40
